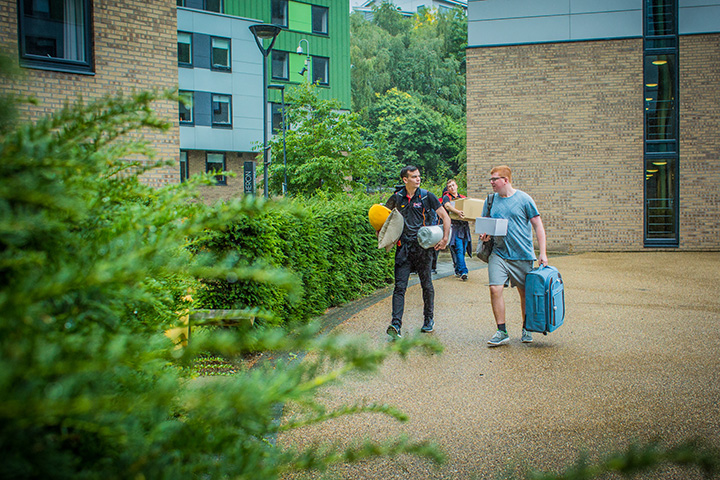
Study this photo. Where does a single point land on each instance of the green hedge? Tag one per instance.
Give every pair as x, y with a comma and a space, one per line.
326, 242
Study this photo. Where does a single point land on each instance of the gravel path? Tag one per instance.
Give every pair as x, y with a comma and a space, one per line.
638, 359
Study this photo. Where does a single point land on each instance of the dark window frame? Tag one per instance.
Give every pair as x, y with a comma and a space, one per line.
318, 9
227, 68
191, 109
286, 65
281, 20
46, 62
180, 62
214, 123
327, 70
184, 166
661, 157
221, 6
219, 179
276, 117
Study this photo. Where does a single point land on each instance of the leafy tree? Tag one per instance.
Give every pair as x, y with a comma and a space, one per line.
387, 17
325, 147
425, 57
371, 57
414, 134
93, 268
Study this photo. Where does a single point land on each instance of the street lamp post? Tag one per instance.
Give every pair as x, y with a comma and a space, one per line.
281, 87
264, 31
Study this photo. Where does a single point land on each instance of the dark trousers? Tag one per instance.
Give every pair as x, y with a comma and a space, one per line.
411, 257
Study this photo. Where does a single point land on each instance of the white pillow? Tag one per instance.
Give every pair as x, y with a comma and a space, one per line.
391, 230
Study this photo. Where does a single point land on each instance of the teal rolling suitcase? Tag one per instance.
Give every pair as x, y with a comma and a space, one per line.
544, 300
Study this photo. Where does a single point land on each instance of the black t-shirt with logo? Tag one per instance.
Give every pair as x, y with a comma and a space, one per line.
416, 211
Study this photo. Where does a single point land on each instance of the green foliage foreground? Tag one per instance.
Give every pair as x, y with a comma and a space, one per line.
94, 266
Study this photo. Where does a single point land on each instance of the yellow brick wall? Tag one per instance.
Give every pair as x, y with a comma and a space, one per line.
134, 49
233, 163
700, 142
568, 119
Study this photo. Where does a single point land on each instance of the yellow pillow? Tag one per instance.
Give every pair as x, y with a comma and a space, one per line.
377, 215
391, 230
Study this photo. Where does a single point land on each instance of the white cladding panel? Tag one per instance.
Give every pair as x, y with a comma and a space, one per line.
507, 22
503, 22
244, 83
699, 16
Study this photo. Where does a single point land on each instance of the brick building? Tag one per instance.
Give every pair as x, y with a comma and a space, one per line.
608, 114
90, 49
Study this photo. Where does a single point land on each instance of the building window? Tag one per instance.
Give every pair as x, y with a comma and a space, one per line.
180, 3
320, 70
276, 117
214, 6
221, 114
660, 79
184, 172
320, 20
279, 12
220, 53
185, 49
186, 106
215, 162
660, 103
279, 65
55, 34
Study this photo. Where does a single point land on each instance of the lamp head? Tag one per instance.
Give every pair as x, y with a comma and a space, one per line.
265, 31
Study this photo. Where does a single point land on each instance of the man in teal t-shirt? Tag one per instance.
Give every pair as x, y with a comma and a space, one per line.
513, 254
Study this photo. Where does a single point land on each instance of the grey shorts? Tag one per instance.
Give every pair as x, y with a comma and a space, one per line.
504, 272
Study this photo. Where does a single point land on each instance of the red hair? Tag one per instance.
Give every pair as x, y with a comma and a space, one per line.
502, 171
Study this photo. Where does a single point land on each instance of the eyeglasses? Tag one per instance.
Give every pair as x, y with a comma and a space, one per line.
495, 179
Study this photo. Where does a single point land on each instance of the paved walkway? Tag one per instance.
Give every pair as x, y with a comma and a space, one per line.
638, 359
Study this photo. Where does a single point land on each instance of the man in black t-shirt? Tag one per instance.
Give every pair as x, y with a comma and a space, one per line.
417, 206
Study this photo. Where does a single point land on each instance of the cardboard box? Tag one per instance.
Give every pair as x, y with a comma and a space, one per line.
471, 207
496, 227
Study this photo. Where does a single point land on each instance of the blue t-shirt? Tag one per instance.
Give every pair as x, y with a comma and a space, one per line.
518, 209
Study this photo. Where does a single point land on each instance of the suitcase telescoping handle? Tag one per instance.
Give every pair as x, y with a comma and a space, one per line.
552, 306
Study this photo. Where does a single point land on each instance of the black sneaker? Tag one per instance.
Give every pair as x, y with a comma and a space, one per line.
394, 332
464, 277
428, 326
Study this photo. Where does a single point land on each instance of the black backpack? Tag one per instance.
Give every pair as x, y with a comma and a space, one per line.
430, 215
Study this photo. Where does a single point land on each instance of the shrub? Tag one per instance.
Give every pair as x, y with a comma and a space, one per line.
326, 241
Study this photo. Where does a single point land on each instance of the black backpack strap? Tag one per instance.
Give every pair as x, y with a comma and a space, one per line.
490, 199
424, 200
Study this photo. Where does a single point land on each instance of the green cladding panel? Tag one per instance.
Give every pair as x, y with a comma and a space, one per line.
297, 62
335, 45
299, 17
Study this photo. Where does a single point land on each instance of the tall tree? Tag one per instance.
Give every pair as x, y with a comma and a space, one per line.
409, 132
423, 56
325, 147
